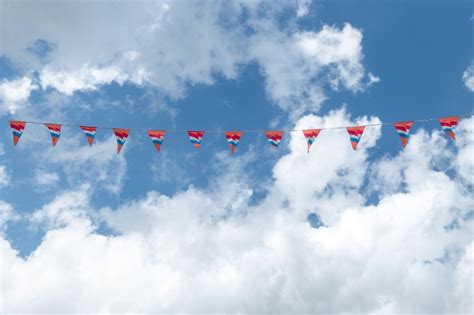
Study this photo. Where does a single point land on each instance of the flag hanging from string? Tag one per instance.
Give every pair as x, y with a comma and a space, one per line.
355, 133
121, 135
448, 124
17, 129
156, 137
274, 138
55, 132
196, 137
311, 135
90, 133
403, 130
233, 138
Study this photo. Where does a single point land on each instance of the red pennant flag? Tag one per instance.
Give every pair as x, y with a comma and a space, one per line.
274, 138
196, 137
90, 133
121, 135
311, 135
17, 129
157, 138
403, 130
55, 132
448, 125
355, 133
233, 138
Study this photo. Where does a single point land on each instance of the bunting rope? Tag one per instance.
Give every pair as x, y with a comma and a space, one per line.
274, 137
252, 130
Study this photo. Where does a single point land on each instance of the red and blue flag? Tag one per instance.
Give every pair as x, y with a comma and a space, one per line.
17, 129
233, 138
55, 132
157, 138
90, 133
274, 138
355, 133
196, 137
121, 135
403, 130
311, 135
448, 124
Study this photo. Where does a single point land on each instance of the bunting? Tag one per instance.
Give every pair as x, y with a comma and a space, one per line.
157, 138
274, 137
55, 132
196, 137
311, 135
90, 133
17, 129
233, 138
355, 133
121, 135
403, 129
448, 125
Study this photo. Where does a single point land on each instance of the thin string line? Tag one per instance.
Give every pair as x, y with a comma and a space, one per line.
250, 130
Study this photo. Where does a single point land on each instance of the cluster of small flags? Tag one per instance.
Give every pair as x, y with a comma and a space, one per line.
274, 137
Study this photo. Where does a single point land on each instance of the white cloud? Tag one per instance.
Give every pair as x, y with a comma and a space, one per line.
14, 94
172, 45
4, 176
303, 8
44, 179
410, 252
468, 77
6, 214
99, 165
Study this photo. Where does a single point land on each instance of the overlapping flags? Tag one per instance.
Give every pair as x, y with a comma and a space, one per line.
274, 137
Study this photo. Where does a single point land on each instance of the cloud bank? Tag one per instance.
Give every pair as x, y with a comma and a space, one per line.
170, 46
213, 250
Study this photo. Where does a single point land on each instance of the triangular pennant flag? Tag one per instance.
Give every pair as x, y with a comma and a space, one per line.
121, 135
17, 129
157, 138
311, 135
403, 129
448, 125
90, 133
355, 133
233, 138
274, 137
196, 137
55, 132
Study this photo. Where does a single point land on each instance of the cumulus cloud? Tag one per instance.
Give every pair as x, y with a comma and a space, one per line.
172, 45
4, 176
468, 77
14, 94
409, 252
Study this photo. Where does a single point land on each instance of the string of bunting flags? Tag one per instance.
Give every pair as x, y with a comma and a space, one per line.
233, 138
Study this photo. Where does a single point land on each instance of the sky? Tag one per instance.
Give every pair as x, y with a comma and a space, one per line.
377, 230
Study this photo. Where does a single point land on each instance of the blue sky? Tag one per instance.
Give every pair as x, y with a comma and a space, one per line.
213, 66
